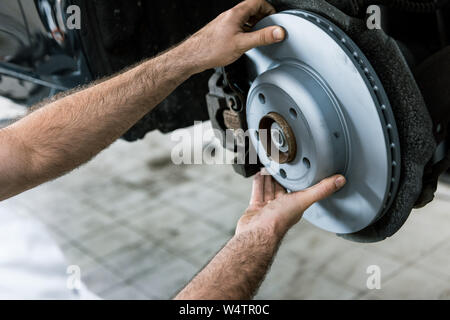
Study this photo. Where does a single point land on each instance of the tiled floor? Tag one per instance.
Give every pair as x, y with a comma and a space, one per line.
140, 227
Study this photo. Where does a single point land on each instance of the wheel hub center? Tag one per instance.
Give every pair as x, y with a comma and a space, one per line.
277, 138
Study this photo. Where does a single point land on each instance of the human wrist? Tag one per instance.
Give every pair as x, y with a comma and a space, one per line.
193, 55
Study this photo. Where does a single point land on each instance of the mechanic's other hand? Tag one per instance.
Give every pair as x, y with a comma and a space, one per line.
227, 38
273, 209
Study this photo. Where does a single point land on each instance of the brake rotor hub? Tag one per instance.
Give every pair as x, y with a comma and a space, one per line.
292, 98
280, 145
317, 108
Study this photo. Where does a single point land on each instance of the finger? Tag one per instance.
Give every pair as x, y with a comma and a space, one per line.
251, 22
261, 37
279, 190
254, 19
257, 189
269, 188
250, 8
304, 199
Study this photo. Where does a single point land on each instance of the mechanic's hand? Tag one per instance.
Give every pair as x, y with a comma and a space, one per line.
273, 209
226, 38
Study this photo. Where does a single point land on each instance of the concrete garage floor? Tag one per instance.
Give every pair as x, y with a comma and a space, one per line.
140, 227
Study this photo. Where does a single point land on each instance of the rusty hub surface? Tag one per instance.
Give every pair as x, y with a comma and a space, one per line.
277, 138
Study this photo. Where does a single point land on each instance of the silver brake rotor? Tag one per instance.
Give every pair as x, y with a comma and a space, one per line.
317, 91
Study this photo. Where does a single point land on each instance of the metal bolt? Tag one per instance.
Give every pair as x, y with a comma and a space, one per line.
278, 137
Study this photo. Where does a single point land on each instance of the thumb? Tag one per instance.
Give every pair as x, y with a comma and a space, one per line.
262, 37
304, 199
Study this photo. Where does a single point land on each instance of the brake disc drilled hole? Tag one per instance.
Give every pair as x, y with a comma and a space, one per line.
283, 174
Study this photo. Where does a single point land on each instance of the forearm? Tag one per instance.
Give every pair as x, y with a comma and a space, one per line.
237, 271
68, 132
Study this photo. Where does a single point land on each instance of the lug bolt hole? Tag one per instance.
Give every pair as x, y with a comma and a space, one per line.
306, 163
262, 98
283, 173
293, 113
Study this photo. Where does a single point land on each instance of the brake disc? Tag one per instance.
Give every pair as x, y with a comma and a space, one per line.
326, 112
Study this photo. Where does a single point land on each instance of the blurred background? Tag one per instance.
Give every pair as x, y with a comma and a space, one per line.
141, 227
